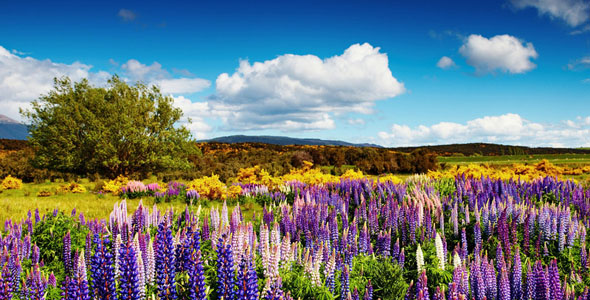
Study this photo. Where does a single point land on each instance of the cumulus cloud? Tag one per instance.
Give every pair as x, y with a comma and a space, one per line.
445, 62
508, 128
304, 92
197, 112
573, 12
126, 15
501, 52
24, 79
155, 74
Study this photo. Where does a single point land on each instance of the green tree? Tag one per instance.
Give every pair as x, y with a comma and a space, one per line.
117, 129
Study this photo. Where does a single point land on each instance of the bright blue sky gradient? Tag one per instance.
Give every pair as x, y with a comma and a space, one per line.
207, 39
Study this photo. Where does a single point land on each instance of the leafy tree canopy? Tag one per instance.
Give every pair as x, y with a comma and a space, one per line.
117, 129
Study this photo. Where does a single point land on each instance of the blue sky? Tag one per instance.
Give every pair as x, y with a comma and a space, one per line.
515, 72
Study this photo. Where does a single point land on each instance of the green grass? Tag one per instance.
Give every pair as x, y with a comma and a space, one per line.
558, 159
16, 203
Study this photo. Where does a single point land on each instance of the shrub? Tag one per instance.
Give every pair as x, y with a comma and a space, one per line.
44, 193
11, 183
73, 187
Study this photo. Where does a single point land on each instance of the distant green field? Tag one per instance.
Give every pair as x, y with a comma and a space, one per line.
16, 203
559, 159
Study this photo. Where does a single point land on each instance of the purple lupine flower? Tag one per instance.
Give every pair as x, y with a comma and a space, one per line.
6, 284
464, 251
192, 195
477, 236
530, 290
35, 255
129, 279
422, 286
504, 286
194, 266
554, 282
51, 280
102, 271
275, 292
79, 284
583, 256
516, 276
355, 294
541, 285
165, 264
396, 251
438, 294
402, 259
225, 270
67, 253
368, 291
344, 282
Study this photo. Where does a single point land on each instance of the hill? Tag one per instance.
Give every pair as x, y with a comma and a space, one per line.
485, 149
283, 141
12, 129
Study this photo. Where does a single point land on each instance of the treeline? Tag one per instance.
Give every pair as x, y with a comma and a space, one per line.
226, 159
485, 149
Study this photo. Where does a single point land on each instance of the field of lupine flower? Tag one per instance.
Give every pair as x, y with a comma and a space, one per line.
351, 238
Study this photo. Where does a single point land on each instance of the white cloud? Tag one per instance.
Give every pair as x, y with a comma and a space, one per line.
126, 15
355, 122
573, 12
24, 79
501, 52
197, 112
581, 30
155, 74
445, 62
581, 63
508, 128
586, 81
182, 85
304, 92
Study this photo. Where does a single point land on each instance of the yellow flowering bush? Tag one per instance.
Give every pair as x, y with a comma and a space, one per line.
209, 187
114, 186
516, 171
71, 188
11, 183
309, 175
234, 191
391, 178
352, 174
257, 175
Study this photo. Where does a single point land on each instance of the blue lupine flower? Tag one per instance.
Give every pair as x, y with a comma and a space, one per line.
102, 271
165, 267
129, 277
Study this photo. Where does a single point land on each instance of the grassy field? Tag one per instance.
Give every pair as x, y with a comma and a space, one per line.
557, 159
16, 203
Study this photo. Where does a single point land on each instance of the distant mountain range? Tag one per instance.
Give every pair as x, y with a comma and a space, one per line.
283, 141
12, 129
484, 149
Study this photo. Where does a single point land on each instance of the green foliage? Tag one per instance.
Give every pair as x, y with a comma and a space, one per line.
386, 277
120, 129
48, 235
298, 284
445, 186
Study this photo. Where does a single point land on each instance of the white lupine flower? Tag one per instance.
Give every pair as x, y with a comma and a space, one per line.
456, 260
440, 253
419, 259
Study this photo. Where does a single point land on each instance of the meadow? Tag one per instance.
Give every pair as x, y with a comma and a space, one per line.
306, 234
